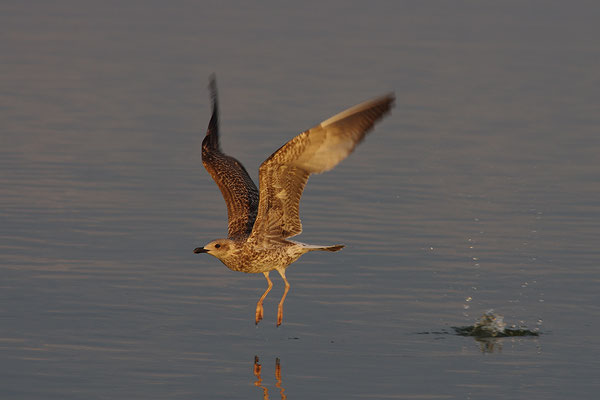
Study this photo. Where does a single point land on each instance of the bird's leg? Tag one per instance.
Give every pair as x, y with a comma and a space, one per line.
287, 287
259, 306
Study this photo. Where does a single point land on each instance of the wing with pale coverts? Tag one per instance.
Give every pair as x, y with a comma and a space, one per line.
284, 174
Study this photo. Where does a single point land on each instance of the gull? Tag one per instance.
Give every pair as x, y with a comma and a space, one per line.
261, 223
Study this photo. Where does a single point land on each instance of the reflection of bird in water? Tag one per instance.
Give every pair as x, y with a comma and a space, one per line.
258, 382
261, 223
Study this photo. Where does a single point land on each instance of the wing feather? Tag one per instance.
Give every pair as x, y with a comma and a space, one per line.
283, 176
238, 189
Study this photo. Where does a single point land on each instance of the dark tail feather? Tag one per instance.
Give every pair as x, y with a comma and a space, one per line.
336, 247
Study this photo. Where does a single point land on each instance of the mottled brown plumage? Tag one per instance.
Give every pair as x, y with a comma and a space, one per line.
238, 189
260, 225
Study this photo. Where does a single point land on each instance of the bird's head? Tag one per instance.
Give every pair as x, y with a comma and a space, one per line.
220, 248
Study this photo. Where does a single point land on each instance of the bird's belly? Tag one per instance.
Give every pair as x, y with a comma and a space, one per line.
264, 259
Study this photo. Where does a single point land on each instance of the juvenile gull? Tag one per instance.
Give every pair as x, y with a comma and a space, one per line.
261, 223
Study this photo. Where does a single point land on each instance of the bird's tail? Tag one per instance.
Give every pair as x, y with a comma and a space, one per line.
313, 247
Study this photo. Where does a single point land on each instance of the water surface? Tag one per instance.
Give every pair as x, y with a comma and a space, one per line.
479, 192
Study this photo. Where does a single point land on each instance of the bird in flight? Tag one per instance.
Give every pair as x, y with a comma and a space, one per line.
261, 223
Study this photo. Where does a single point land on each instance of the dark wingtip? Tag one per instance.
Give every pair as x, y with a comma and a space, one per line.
389, 101
212, 86
211, 140
392, 99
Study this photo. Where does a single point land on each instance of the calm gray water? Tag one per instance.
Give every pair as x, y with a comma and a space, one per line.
481, 191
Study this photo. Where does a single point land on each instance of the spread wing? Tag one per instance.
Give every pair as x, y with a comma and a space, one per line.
283, 175
237, 188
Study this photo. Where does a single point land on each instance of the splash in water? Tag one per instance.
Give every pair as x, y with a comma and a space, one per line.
491, 324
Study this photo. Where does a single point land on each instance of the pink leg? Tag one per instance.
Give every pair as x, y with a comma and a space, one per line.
285, 292
259, 306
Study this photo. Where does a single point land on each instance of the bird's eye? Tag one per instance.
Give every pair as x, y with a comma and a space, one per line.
217, 246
